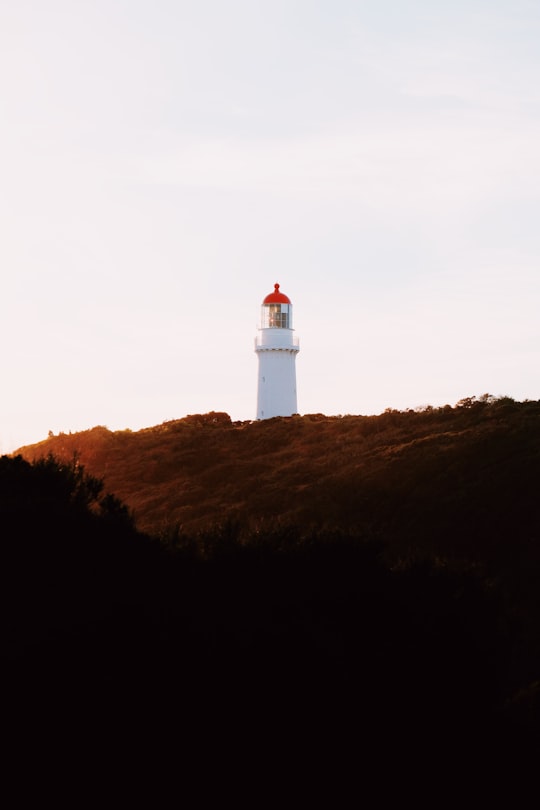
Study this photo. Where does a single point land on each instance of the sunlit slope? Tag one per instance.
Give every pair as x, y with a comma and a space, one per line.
442, 475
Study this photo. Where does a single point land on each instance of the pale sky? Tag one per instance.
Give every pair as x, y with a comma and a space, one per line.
164, 162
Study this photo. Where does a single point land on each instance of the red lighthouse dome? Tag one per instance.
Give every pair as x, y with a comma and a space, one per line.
276, 297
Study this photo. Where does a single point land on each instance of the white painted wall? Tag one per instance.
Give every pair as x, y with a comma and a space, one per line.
276, 391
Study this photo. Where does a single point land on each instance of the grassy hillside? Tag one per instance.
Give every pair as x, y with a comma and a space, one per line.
338, 589
442, 476
457, 483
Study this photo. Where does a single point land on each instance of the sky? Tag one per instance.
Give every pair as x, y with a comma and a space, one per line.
164, 162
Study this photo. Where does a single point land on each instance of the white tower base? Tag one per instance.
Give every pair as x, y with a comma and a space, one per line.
276, 391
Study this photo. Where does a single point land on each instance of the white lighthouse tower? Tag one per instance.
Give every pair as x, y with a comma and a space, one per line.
276, 348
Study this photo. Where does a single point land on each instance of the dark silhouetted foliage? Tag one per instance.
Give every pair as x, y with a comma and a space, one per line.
321, 597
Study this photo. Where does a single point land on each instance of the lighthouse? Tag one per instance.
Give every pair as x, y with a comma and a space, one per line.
276, 347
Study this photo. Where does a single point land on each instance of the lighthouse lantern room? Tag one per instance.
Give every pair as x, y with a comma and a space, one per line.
276, 348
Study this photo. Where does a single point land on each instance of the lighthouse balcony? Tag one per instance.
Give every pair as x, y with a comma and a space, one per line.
269, 339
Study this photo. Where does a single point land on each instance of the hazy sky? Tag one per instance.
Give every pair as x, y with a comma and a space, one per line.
164, 162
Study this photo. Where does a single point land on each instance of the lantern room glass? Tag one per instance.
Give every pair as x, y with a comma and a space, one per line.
276, 316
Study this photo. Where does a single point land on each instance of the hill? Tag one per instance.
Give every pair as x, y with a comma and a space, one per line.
439, 475
459, 484
336, 589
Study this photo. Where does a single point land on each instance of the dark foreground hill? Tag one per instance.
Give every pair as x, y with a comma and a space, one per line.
313, 596
279, 663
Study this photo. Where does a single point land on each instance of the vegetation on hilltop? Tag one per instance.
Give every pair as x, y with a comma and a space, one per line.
453, 482
310, 470
367, 584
